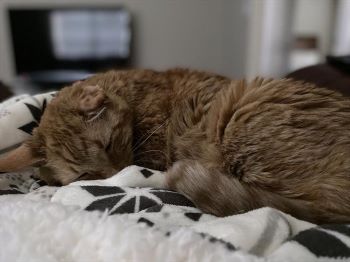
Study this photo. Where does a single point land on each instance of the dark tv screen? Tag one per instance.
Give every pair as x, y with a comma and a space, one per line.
90, 39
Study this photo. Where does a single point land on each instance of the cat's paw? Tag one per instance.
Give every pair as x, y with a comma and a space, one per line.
91, 98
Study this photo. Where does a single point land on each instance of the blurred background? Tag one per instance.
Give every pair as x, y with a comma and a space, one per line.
45, 44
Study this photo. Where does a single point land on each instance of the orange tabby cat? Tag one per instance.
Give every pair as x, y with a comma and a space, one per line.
230, 146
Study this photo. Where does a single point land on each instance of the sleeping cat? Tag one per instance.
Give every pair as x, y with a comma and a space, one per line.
230, 146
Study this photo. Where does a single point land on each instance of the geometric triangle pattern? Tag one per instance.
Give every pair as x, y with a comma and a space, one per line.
117, 200
36, 113
19, 116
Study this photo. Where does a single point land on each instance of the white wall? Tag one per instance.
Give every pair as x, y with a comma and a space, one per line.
315, 17
272, 26
203, 34
269, 38
341, 43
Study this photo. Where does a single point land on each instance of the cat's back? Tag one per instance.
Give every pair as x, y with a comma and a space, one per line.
286, 118
288, 137
187, 82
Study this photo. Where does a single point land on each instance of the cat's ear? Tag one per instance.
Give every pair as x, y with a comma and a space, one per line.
30, 153
91, 98
91, 102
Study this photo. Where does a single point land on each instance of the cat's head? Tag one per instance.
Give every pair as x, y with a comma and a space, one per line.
85, 133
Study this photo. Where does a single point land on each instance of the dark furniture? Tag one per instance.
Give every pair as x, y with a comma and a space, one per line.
334, 75
5, 92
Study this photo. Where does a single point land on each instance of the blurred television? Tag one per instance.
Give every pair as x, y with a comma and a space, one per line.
56, 46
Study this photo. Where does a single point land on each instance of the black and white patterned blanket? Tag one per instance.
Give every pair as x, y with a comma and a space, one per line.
129, 217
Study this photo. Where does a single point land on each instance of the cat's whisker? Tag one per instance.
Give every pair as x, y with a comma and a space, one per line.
140, 144
97, 115
139, 140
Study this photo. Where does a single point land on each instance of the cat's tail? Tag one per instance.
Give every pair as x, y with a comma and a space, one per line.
219, 194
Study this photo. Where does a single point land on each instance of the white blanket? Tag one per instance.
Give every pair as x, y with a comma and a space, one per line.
126, 218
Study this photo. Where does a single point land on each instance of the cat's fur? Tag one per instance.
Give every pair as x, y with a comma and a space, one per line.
230, 146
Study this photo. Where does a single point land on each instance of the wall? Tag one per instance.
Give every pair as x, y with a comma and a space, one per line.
203, 34
272, 26
269, 37
341, 44
315, 17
